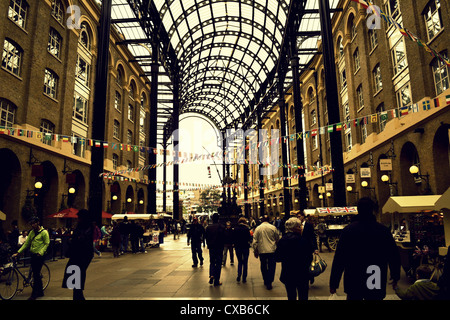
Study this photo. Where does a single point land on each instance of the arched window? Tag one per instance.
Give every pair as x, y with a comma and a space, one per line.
85, 38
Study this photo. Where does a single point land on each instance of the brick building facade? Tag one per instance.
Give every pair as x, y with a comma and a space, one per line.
47, 82
378, 71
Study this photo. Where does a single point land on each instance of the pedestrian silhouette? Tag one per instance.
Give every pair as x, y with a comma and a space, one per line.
365, 250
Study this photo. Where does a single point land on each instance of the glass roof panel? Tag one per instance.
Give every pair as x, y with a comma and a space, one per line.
225, 49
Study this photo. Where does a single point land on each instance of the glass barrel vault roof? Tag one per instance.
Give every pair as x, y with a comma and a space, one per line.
225, 49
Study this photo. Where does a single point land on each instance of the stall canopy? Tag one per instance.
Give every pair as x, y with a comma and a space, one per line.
137, 216
444, 201
408, 204
336, 210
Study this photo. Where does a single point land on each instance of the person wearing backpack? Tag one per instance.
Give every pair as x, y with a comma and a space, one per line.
37, 241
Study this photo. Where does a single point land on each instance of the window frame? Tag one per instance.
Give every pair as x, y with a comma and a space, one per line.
23, 7
51, 90
15, 56
55, 41
5, 113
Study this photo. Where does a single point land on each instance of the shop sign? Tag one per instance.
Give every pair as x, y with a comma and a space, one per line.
385, 164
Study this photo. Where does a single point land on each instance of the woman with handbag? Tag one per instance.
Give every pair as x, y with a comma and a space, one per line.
294, 253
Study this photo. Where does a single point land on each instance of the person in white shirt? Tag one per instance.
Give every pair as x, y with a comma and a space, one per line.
264, 244
22, 238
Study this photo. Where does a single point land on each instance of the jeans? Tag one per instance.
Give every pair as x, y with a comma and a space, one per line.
196, 249
268, 265
36, 267
215, 267
292, 289
242, 257
226, 248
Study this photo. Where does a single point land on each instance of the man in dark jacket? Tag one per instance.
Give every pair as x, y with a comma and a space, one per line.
196, 236
242, 239
365, 250
215, 241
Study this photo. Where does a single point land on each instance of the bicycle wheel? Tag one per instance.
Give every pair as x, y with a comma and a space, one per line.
9, 284
45, 276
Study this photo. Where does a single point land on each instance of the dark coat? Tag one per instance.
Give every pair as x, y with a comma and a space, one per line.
215, 236
365, 243
242, 237
115, 239
309, 234
294, 253
196, 234
81, 251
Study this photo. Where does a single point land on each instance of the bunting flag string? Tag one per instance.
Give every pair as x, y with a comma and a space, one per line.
405, 32
183, 156
249, 185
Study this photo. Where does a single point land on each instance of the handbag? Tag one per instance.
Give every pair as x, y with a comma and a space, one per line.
318, 266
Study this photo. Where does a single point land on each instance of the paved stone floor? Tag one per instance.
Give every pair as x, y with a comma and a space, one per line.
166, 273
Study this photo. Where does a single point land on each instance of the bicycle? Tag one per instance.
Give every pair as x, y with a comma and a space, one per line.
9, 279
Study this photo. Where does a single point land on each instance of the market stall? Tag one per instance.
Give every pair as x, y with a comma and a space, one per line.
417, 228
443, 205
151, 231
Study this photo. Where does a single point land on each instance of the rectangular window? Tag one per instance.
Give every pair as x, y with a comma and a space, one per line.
315, 142
82, 71
142, 121
11, 57
80, 108
343, 77
58, 10
433, 19
383, 116
17, 12
346, 112
363, 132
118, 101
54, 43
7, 113
129, 137
313, 117
50, 83
116, 129
130, 113
360, 97
47, 127
399, 56
356, 60
404, 96
373, 37
377, 78
78, 145
115, 161
348, 141
440, 75
392, 8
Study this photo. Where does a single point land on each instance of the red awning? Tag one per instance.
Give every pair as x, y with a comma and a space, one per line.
71, 213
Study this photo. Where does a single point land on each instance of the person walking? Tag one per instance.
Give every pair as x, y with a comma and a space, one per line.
195, 238
97, 237
264, 244
323, 238
242, 240
37, 241
228, 244
124, 227
115, 240
294, 253
365, 250
80, 253
215, 242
